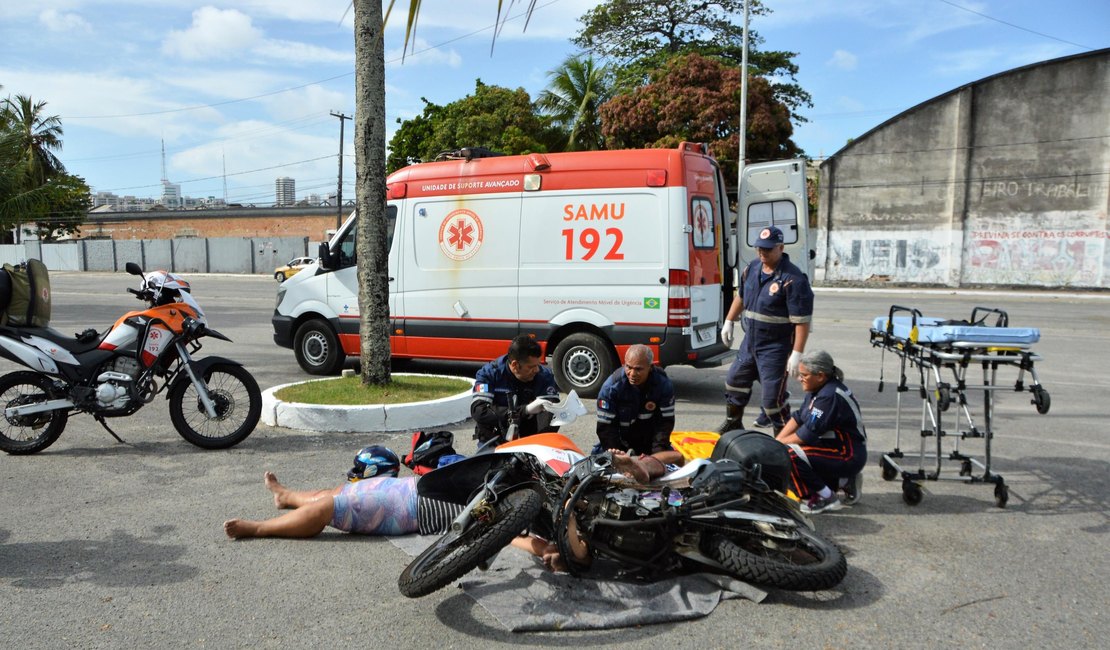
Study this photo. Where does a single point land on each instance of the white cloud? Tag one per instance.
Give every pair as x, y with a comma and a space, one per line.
57, 21
214, 34
843, 60
227, 33
239, 146
302, 53
313, 100
421, 52
967, 62
87, 101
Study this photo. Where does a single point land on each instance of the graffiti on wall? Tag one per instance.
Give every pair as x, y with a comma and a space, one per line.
1035, 257
918, 256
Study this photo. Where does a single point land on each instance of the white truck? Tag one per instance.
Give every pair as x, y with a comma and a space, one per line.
589, 252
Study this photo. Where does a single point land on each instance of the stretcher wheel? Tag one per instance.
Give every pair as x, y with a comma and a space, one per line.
965, 468
911, 493
1001, 495
1041, 399
889, 473
944, 397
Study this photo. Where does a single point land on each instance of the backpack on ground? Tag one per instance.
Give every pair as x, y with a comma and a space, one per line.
427, 449
25, 295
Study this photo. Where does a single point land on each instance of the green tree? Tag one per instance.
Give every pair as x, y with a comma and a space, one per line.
643, 34
34, 186
494, 117
573, 98
34, 136
697, 99
405, 146
63, 207
372, 237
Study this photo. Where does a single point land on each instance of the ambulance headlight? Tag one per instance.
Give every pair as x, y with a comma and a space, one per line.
280, 296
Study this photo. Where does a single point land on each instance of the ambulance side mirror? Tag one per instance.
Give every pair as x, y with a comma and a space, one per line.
328, 261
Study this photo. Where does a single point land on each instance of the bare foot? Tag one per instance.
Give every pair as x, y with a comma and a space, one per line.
240, 528
629, 466
279, 490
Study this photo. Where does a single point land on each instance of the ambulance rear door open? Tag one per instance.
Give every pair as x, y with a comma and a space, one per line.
774, 194
703, 245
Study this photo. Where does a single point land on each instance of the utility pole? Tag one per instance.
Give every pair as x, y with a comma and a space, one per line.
743, 109
339, 189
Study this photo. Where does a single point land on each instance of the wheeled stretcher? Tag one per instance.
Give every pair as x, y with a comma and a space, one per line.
943, 352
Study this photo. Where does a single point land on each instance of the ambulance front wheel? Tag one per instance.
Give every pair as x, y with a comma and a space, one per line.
582, 363
317, 348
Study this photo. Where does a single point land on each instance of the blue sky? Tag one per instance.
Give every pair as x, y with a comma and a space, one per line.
247, 86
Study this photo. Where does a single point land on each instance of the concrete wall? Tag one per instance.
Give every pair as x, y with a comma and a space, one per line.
1001, 182
215, 255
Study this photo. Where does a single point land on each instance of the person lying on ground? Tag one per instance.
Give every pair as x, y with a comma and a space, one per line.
382, 505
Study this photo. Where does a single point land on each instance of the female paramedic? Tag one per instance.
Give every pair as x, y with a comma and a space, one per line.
825, 437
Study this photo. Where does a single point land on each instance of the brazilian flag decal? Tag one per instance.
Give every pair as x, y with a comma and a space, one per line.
651, 303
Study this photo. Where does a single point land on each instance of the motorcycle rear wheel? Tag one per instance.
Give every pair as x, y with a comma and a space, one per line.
238, 402
28, 434
809, 563
456, 554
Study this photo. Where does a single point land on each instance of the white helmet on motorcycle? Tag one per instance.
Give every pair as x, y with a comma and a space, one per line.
165, 287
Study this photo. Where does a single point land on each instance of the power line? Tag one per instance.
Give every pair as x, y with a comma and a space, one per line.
304, 85
1024, 29
277, 127
209, 178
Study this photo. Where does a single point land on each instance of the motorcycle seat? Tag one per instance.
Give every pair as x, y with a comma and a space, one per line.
64, 341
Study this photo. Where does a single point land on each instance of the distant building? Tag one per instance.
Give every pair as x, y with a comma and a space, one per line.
285, 189
171, 195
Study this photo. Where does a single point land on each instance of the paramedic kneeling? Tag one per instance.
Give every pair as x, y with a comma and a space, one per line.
514, 385
635, 414
825, 437
776, 304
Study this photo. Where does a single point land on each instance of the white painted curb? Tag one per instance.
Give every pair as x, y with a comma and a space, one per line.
371, 418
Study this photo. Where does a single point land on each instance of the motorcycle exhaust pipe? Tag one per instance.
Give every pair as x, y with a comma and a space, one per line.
38, 407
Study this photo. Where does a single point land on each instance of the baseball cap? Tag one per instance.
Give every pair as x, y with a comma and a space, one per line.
769, 237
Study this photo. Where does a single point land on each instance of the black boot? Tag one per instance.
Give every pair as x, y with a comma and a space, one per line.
734, 416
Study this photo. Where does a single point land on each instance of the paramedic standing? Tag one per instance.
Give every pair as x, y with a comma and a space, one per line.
776, 303
635, 414
513, 385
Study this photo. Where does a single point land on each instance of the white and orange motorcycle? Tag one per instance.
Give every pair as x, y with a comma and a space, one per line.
214, 402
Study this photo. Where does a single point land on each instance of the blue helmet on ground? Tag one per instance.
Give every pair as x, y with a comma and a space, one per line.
374, 460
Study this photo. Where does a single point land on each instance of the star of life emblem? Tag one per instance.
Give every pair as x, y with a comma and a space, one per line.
460, 235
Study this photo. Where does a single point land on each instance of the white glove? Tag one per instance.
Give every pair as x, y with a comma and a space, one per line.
535, 406
726, 332
792, 364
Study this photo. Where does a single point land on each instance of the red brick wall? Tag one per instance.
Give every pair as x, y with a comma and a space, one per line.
205, 223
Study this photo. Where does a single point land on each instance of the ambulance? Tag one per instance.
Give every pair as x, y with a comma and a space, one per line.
588, 252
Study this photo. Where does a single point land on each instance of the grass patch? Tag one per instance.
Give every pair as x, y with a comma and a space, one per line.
349, 391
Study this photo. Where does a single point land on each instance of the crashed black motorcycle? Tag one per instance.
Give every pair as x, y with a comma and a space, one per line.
722, 515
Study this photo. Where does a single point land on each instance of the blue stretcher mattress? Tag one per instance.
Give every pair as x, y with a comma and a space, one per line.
931, 330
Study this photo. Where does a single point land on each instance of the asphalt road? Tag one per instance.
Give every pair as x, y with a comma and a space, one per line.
110, 545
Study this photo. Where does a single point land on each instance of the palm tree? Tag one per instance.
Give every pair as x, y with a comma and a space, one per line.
371, 239
34, 137
578, 88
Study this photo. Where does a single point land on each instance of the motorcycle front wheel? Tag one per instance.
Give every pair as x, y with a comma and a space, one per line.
238, 403
27, 434
807, 563
455, 554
